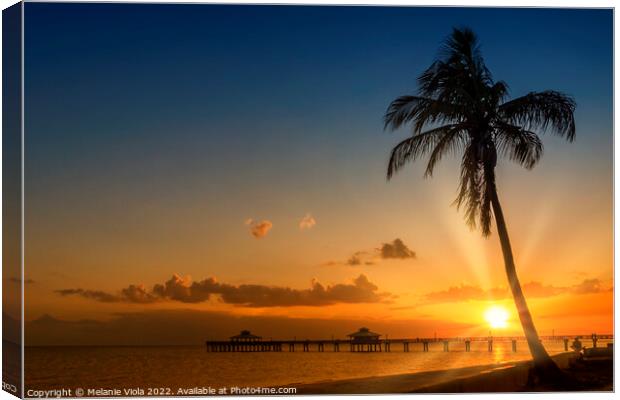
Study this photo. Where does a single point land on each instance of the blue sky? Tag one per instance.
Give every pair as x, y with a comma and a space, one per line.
190, 87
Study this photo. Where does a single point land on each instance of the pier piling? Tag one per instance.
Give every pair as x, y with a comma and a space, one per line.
594, 340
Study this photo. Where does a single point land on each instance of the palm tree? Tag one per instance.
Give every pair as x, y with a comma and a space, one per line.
459, 107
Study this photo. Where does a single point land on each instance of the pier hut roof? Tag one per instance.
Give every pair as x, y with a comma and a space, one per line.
364, 333
245, 335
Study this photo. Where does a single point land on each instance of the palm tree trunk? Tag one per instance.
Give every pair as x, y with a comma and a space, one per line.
543, 364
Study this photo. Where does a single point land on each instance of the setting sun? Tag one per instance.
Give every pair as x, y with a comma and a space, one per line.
497, 317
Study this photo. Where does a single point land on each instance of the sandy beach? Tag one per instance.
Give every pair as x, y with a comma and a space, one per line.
502, 377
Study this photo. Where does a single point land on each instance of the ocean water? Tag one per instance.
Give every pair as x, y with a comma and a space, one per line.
177, 367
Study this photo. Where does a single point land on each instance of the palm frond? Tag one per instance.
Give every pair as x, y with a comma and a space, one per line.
488, 187
498, 92
462, 43
470, 185
460, 64
486, 215
476, 184
454, 139
421, 110
542, 111
519, 145
415, 146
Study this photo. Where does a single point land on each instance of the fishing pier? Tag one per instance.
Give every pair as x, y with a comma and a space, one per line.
366, 341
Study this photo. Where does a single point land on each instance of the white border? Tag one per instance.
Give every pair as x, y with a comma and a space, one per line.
454, 3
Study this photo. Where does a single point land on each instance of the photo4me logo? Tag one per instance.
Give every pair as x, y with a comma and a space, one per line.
236, 390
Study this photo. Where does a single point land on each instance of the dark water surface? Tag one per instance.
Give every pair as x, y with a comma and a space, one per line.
177, 367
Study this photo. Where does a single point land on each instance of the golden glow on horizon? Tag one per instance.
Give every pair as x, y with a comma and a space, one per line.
497, 317
146, 254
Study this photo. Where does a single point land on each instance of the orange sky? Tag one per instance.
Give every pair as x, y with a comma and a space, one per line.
565, 264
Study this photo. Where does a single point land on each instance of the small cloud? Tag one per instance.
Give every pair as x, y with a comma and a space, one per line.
588, 286
259, 229
307, 222
354, 260
396, 249
331, 263
359, 258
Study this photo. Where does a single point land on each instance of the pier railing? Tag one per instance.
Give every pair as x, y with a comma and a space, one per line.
386, 345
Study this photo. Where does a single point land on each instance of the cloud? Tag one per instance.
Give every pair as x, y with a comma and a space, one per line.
354, 260
91, 294
588, 286
259, 229
357, 259
361, 290
396, 249
456, 294
537, 289
331, 263
137, 294
307, 222
532, 289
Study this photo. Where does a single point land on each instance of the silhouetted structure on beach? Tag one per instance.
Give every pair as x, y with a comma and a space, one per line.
244, 337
